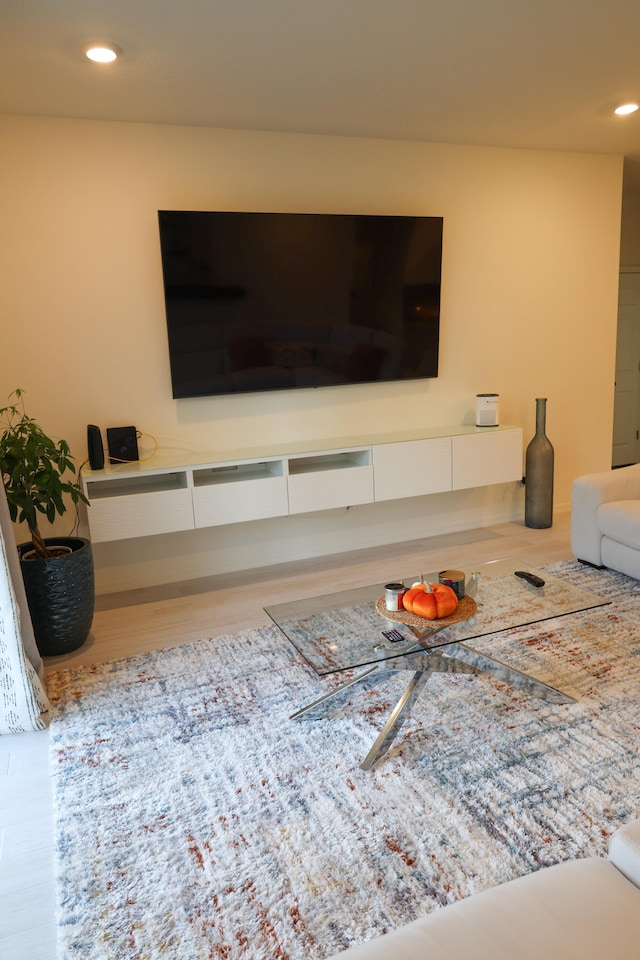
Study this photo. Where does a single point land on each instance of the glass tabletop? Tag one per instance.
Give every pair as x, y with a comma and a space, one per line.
339, 631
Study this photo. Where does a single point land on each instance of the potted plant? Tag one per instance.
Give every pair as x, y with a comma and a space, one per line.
57, 571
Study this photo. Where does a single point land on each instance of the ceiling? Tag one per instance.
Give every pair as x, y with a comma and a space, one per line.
543, 74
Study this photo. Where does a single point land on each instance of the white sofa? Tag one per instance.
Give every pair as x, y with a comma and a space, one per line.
579, 910
605, 520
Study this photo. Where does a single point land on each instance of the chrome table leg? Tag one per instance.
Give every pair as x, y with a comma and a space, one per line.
373, 673
499, 670
451, 658
388, 733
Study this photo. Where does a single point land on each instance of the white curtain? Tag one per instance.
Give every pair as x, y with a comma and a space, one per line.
23, 702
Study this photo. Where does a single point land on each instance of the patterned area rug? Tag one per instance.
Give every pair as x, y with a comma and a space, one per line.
194, 820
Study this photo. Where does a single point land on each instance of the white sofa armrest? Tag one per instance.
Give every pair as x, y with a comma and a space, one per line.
588, 493
624, 851
578, 910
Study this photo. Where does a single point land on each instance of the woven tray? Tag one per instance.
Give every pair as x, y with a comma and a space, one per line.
464, 611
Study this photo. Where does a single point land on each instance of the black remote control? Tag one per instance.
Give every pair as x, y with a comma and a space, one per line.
394, 636
531, 578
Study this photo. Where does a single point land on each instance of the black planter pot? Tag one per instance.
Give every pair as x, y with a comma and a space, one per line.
61, 595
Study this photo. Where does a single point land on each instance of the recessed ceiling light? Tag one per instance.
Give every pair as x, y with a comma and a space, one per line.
626, 108
102, 52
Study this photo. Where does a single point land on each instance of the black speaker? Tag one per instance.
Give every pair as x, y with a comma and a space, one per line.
96, 450
122, 443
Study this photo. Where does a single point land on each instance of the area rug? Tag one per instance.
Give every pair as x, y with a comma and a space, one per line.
194, 820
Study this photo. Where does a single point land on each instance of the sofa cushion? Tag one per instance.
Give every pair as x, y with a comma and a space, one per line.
624, 850
579, 910
620, 520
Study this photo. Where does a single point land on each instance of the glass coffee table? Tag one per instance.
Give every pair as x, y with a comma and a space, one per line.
349, 629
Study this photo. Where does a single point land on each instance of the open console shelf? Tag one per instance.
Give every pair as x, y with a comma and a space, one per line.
237, 473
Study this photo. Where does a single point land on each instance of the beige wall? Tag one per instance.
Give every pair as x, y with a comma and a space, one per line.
529, 297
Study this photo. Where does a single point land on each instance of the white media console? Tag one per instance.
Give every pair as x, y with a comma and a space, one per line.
166, 493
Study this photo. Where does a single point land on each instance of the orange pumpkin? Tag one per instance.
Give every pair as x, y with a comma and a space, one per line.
432, 601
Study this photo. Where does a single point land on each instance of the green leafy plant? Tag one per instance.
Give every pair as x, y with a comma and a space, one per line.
32, 467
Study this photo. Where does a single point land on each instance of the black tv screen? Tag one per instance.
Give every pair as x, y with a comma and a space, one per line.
279, 301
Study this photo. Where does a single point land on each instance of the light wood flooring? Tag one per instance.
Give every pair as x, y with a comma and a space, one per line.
157, 618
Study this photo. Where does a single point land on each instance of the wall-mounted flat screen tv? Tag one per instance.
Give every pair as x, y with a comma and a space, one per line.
280, 301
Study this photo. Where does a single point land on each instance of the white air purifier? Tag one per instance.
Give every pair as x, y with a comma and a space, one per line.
487, 409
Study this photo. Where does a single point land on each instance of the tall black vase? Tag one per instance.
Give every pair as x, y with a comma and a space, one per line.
538, 499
